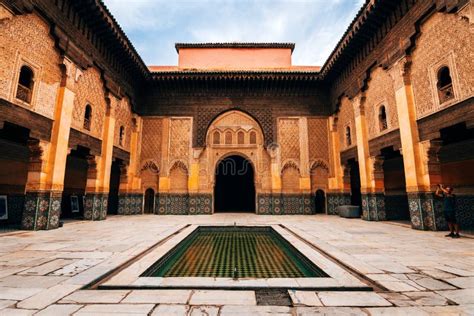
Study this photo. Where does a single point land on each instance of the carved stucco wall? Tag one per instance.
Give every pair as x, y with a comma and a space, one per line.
90, 90
289, 140
446, 39
123, 117
346, 118
179, 140
380, 92
26, 40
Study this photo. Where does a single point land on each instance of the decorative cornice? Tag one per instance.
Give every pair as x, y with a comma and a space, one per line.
178, 46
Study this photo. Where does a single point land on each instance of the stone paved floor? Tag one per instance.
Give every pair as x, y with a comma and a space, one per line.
423, 273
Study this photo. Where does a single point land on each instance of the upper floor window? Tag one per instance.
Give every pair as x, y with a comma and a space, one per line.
88, 117
382, 118
216, 138
121, 135
348, 136
240, 138
253, 138
228, 137
445, 85
25, 84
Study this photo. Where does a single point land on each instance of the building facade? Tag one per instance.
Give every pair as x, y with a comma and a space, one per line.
87, 129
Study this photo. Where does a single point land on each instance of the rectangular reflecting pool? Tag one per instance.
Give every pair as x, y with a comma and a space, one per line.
234, 251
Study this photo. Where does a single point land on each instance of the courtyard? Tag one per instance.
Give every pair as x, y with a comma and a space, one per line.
400, 270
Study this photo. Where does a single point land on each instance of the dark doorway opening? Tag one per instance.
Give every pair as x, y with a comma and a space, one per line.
320, 202
149, 201
396, 199
14, 163
234, 189
75, 180
356, 196
113, 200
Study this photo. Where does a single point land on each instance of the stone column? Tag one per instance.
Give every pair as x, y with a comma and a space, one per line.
373, 203
418, 186
131, 199
339, 185
97, 189
95, 205
306, 200
48, 160
270, 203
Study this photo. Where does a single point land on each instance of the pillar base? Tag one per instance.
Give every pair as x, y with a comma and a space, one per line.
41, 210
130, 204
95, 207
373, 207
284, 204
337, 199
426, 211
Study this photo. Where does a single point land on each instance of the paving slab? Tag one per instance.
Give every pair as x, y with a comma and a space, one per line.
203, 311
17, 312
158, 296
234, 310
202, 297
432, 284
340, 298
168, 310
59, 309
397, 311
95, 297
6, 303
304, 298
462, 282
47, 297
427, 298
465, 296
114, 309
48, 267
13, 293
329, 311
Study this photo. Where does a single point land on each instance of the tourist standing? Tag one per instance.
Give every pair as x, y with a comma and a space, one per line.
449, 208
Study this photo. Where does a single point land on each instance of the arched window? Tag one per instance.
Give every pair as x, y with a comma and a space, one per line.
348, 136
24, 91
382, 118
216, 138
445, 85
88, 117
228, 137
253, 138
240, 138
121, 135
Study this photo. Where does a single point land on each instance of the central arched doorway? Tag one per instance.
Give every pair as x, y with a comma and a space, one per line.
234, 190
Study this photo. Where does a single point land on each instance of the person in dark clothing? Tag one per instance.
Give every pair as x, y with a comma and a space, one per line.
449, 208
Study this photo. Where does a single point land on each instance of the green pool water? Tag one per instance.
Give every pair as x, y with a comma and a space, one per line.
227, 252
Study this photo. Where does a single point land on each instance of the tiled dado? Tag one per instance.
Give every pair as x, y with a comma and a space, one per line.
426, 211
373, 207
465, 210
41, 210
337, 199
130, 204
95, 206
284, 204
183, 204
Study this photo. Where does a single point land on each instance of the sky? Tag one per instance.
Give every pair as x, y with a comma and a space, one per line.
154, 26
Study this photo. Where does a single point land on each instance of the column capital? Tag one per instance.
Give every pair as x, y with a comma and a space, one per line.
70, 73
400, 72
358, 102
